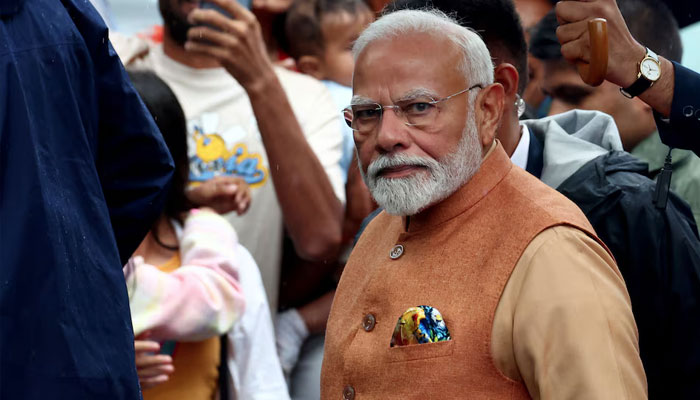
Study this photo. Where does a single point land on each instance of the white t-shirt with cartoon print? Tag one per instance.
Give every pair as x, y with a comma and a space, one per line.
224, 139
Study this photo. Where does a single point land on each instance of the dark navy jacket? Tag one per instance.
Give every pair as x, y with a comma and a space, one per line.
682, 129
83, 170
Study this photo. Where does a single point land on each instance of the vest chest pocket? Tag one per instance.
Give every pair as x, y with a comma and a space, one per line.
420, 351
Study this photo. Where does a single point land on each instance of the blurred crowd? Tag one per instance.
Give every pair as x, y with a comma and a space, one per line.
234, 225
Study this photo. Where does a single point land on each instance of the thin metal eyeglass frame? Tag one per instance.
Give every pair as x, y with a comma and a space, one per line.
400, 114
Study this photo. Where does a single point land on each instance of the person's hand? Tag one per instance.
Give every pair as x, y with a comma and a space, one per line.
236, 43
624, 52
223, 194
152, 368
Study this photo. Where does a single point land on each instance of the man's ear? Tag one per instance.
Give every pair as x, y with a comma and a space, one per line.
311, 65
489, 110
507, 75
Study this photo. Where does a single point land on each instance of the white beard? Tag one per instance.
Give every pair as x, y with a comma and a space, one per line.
440, 179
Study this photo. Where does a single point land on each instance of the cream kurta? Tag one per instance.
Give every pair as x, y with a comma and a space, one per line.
564, 323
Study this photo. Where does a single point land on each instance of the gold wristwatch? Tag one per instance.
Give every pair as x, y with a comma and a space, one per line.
649, 71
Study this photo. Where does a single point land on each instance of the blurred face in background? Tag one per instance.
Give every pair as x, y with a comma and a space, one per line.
174, 13
531, 12
633, 117
340, 30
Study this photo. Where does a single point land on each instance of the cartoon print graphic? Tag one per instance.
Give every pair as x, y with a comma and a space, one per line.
210, 147
211, 156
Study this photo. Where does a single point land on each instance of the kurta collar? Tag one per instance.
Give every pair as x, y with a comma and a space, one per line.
493, 169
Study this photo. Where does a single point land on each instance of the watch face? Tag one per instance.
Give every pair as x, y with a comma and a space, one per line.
650, 69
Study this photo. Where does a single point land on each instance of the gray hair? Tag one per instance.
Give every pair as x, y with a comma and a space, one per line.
476, 64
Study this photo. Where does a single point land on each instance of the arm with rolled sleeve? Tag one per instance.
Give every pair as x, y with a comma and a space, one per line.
564, 325
304, 147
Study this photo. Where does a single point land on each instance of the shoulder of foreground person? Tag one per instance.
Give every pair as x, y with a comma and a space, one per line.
134, 165
564, 325
130, 49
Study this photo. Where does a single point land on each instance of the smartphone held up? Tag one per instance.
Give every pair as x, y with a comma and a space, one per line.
211, 6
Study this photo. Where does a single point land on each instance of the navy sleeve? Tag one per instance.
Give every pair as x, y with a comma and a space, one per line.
133, 161
682, 129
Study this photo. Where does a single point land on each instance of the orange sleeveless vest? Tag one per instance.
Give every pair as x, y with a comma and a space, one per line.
457, 257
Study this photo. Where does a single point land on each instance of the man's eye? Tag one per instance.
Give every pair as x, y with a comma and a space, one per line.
366, 113
418, 108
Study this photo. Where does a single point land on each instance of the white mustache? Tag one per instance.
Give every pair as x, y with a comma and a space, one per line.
383, 162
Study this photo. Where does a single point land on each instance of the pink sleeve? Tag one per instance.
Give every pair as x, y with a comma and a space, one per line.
200, 299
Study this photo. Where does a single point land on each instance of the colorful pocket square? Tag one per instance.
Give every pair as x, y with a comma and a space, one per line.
418, 325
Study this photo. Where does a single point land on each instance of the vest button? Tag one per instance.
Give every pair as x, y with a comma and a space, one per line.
368, 322
348, 393
396, 252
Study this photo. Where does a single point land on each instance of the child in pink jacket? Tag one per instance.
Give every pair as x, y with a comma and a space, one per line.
182, 281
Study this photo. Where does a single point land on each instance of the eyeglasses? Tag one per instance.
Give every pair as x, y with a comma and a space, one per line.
421, 111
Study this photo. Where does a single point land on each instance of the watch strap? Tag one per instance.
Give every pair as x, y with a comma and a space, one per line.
637, 88
642, 83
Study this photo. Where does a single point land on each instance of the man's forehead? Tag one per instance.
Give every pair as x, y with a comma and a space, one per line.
405, 63
409, 42
409, 94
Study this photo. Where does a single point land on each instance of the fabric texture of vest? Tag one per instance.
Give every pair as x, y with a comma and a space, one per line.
457, 257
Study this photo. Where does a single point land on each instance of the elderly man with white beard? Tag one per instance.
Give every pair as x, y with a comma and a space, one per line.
477, 281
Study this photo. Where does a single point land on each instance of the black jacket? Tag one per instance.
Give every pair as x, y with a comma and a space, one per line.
658, 253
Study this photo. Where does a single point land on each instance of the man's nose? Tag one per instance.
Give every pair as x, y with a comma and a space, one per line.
392, 132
